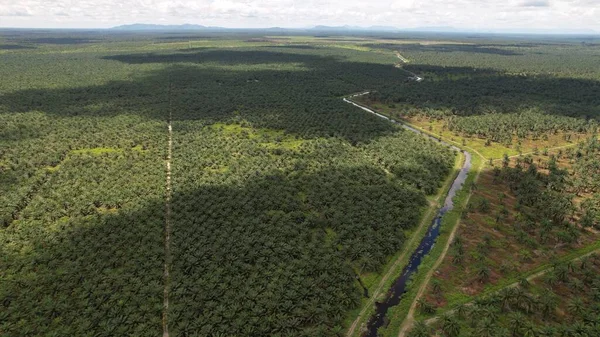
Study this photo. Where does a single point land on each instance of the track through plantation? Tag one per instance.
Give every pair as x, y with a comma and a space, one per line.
168, 227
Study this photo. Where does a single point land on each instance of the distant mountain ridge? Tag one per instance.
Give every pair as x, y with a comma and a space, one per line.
144, 26
188, 27
347, 27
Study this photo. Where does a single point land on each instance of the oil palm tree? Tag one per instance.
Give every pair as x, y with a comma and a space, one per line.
424, 306
548, 302
562, 273
436, 286
490, 312
450, 326
483, 273
516, 323
461, 311
547, 331
577, 307
485, 328
420, 329
505, 297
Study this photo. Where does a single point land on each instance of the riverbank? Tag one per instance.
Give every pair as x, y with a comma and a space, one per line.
392, 270
401, 318
419, 251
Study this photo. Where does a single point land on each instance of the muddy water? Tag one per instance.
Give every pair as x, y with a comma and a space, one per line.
399, 286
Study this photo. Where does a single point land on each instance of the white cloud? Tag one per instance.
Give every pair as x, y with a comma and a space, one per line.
470, 14
14, 10
404, 4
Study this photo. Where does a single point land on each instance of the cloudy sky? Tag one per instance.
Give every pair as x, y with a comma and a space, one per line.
567, 15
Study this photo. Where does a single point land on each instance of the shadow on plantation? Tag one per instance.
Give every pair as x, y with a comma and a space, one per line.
15, 47
448, 48
272, 255
469, 91
305, 101
273, 92
228, 57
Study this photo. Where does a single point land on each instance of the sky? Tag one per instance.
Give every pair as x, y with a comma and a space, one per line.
483, 15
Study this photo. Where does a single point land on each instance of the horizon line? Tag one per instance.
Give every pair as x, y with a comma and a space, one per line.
337, 28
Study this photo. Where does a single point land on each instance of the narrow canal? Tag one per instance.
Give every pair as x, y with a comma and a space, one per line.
399, 286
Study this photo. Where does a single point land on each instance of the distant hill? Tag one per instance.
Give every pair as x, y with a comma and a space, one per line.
333, 27
190, 27
349, 28
143, 26
384, 28
432, 29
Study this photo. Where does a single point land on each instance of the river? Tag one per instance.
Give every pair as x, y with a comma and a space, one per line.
399, 286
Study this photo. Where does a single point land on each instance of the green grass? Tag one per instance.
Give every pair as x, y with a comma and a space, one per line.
97, 151
268, 138
218, 169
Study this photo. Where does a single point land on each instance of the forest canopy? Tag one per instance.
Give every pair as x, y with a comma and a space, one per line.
281, 192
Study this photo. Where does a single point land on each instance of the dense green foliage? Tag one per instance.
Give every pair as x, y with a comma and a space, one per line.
586, 167
471, 91
281, 191
564, 57
486, 96
586, 180
81, 222
502, 128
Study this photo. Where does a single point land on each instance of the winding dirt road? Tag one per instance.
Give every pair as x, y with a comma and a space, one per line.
404, 60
